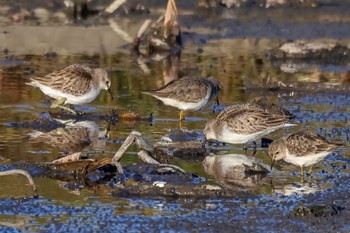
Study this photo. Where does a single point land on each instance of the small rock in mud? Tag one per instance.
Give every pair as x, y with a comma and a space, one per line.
181, 135
153, 172
137, 9
294, 87
319, 210
185, 144
310, 56
328, 50
269, 3
51, 54
6, 51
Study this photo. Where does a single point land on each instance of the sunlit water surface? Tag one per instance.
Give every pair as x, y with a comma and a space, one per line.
234, 62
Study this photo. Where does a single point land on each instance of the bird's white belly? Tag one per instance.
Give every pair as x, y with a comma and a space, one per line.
305, 160
71, 99
185, 105
229, 136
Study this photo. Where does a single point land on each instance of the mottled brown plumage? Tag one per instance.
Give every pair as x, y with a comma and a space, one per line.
187, 89
273, 108
304, 143
187, 93
241, 123
68, 79
249, 118
75, 84
303, 148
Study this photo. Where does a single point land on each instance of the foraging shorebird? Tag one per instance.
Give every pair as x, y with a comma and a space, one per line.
303, 148
76, 84
187, 93
242, 123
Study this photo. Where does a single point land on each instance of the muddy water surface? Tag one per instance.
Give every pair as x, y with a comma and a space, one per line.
242, 66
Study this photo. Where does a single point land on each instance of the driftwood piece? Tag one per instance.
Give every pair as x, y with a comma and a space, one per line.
114, 6
24, 173
154, 37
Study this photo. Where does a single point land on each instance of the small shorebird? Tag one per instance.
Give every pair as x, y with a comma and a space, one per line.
76, 84
241, 123
187, 93
303, 149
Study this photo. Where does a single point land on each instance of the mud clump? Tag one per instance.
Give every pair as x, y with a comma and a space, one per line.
179, 143
306, 56
319, 210
311, 50
40, 124
268, 3
180, 150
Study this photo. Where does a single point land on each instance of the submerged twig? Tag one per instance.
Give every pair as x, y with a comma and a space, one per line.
24, 173
123, 34
144, 28
114, 6
143, 66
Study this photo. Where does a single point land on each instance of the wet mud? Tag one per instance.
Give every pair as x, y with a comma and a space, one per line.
294, 54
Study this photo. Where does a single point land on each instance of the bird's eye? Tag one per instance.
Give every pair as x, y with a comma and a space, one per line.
107, 82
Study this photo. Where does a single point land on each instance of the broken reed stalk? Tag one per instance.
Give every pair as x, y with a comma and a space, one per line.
24, 173
171, 20
143, 66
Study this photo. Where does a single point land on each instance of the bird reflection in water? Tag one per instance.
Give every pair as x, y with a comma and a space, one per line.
74, 137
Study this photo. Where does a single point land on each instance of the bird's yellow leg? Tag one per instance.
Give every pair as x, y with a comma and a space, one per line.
182, 115
181, 124
68, 109
309, 171
301, 171
59, 103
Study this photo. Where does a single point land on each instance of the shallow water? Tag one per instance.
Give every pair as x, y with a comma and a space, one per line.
236, 60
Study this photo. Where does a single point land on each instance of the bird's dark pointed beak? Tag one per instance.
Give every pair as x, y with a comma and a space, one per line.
110, 93
272, 163
205, 141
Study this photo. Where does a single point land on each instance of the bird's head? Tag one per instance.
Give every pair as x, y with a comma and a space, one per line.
104, 80
209, 130
277, 150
